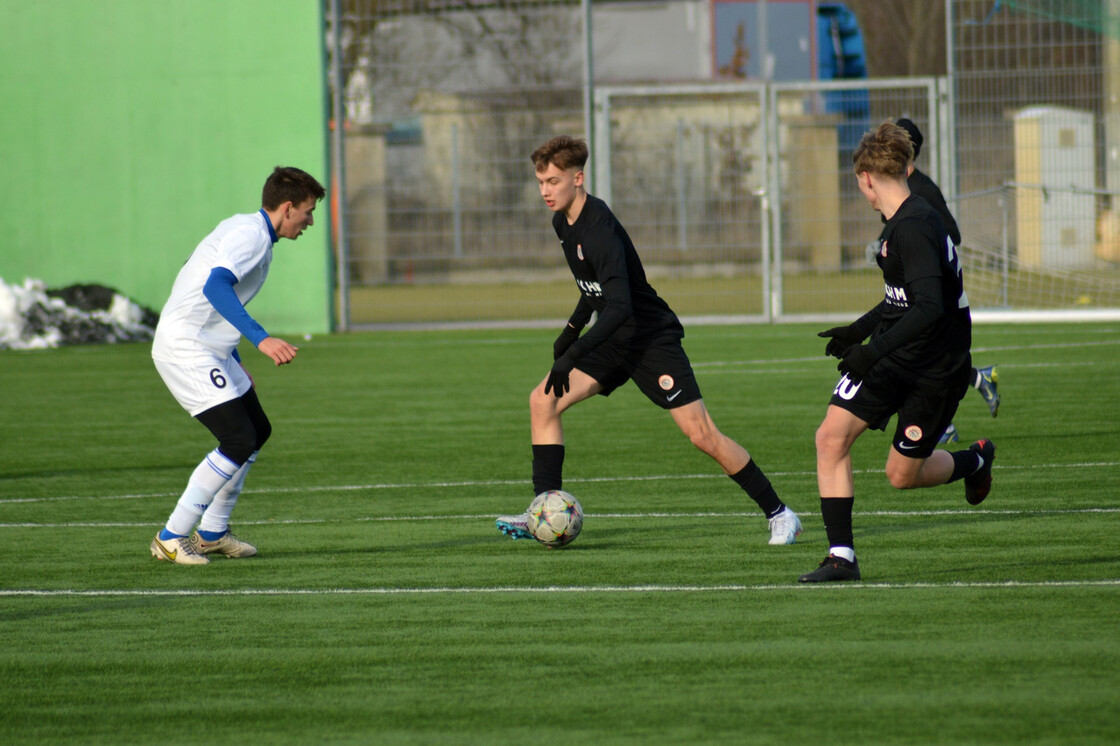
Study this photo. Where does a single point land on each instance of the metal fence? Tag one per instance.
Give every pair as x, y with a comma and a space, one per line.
743, 194
1036, 151
739, 195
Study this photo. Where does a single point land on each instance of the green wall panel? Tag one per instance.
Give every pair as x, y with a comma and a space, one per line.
130, 128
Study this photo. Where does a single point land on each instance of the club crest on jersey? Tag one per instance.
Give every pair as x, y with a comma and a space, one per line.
883, 249
913, 433
579, 251
666, 382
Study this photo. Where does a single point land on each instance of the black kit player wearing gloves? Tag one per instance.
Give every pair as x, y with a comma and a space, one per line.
916, 364
985, 380
636, 336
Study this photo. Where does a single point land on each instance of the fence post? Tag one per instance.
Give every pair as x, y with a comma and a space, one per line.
682, 192
1005, 250
338, 178
456, 197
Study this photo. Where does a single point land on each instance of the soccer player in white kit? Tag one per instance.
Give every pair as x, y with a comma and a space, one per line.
195, 352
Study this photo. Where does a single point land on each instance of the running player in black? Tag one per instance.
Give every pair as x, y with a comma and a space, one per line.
916, 364
635, 337
985, 380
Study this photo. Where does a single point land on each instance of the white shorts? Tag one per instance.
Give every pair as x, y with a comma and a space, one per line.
204, 383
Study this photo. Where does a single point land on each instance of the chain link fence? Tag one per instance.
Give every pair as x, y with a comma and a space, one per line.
738, 194
1036, 135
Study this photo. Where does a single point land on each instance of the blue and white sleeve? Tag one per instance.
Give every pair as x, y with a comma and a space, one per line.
219, 291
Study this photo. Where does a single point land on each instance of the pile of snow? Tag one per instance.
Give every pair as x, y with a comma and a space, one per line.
32, 317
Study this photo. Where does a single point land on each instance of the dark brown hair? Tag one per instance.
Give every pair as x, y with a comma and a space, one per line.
563, 151
288, 184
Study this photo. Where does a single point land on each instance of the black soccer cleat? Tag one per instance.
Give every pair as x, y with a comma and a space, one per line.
833, 569
978, 485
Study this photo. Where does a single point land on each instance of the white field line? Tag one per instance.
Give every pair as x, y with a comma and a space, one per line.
597, 516
552, 589
507, 482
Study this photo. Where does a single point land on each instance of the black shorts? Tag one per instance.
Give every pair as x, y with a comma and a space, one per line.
923, 411
660, 369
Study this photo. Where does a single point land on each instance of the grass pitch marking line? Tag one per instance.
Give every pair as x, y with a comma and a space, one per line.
508, 482
581, 589
628, 516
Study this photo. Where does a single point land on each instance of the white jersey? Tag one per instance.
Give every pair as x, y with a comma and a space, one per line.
189, 326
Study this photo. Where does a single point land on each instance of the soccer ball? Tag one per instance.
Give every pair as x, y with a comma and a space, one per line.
555, 518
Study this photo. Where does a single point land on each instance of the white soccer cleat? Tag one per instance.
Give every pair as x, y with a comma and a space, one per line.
180, 551
228, 544
785, 527
514, 526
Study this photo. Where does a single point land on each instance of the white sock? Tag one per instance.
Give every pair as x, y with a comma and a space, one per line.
209, 476
846, 552
216, 517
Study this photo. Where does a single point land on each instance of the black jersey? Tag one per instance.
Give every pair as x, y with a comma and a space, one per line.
611, 281
914, 246
927, 189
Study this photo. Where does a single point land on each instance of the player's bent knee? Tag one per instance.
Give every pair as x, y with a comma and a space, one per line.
542, 404
238, 445
707, 440
240, 426
536, 400
828, 443
701, 441
902, 480
263, 431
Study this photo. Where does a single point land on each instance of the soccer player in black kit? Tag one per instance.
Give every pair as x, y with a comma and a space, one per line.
635, 337
985, 380
916, 364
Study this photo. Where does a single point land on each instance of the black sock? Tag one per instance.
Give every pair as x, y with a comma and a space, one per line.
976, 378
837, 515
548, 466
964, 463
751, 479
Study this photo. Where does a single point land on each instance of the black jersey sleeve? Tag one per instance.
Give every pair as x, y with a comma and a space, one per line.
607, 256
616, 293
926, 307
581, 315
867, 323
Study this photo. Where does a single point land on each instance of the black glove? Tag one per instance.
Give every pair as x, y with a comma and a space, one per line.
564, 341
557, 381
840, 338
856, 361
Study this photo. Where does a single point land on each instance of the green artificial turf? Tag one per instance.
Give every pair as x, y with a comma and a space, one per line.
385, 608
